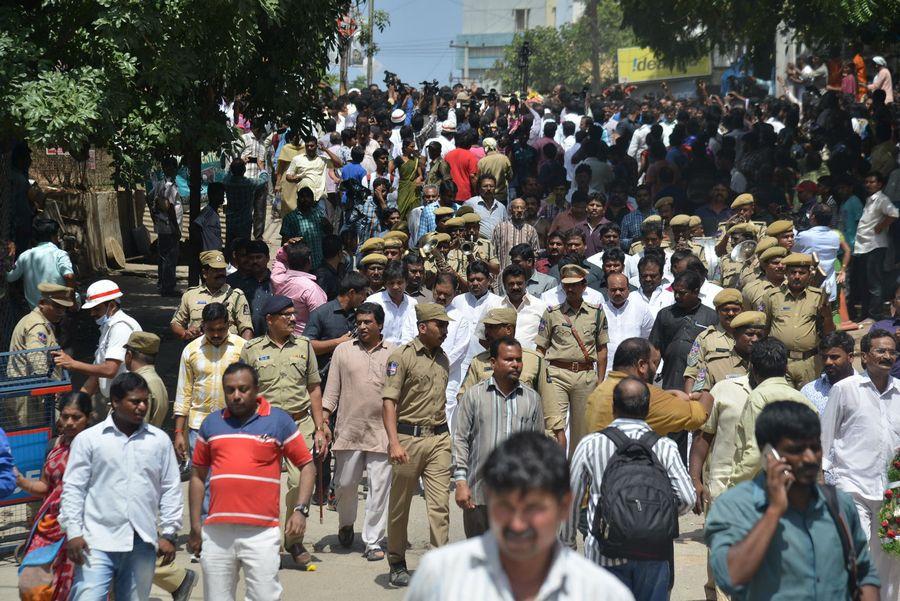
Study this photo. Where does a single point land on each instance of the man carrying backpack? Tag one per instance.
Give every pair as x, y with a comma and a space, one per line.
637, 488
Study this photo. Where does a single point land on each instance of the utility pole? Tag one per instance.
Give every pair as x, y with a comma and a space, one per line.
371, 44
465, 48
524, 58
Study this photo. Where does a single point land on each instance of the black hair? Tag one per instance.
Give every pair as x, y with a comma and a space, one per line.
613, 253
373, 309
503, 340
299, 256
630, 351
696, 265
44, 229
354, 281
610, 227
512, 270
393, 271
331, 246
238, 167
412, 259
768, 359
448, 187
865, 344
357, 154
839, 339
628, 404
678, 256
786, 419
125, 383
257, 247
523, 251
877, 175
445, 278
81, 400
240, 366
213, 312
823, 214
691, 279
380, 152
575, 233
478, 267
527, 461
652, 227
651, 258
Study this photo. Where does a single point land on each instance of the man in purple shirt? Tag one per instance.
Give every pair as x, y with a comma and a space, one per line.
291, 278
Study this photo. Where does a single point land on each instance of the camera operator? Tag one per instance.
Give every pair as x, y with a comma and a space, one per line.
364, 211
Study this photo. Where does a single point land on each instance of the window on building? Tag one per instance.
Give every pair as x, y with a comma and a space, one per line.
521, 19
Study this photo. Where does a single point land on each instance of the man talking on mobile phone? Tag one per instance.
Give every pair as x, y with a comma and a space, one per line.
782, 535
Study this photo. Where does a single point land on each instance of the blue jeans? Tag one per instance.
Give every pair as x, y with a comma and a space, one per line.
648, 580
192, 441
127, 574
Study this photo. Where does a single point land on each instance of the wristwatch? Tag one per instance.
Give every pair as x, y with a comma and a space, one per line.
303, 509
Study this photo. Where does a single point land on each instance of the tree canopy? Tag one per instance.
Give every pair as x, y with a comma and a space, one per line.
678, 31
146, 78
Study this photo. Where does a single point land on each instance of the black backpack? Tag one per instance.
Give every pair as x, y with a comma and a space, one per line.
637, 517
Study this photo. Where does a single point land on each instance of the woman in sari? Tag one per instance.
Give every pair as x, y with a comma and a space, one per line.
410, 168
46, 572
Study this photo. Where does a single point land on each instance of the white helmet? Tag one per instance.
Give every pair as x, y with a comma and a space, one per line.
100, 292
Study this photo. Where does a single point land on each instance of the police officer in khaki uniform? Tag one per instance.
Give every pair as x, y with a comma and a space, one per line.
289, 379
756, 292
441, 242
419, 442
186, 321
500, 322
393, 249
749, 328
681, 232
372, 266
371, 245
140, 358
783, 231
35, 331
731, 269
715, 341
572, 337
799, 315
752, 270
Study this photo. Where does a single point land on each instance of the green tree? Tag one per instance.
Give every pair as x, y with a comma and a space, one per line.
679, 31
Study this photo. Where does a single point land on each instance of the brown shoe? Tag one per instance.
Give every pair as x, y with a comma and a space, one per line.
301, 556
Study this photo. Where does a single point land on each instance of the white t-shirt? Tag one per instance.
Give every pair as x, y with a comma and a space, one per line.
114, 336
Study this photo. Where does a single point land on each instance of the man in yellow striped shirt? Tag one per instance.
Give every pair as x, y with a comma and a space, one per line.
203, 362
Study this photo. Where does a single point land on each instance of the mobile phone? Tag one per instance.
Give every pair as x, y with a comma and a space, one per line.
770, 450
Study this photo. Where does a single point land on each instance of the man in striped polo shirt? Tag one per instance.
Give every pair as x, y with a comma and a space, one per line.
243, 445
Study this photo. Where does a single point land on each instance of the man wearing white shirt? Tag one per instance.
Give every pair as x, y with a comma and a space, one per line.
651, 237
627, 315
684, 260
399, 307
872, 242
459, 334
652, 288
529, 308
398, 118
860, 433
474, 303
447, 139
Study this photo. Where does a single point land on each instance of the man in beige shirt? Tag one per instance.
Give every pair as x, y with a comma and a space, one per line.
356, 376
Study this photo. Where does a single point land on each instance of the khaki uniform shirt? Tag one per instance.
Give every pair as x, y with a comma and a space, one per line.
195, 299
158, 402
534, 375
729, 398
417, 381
751, 271
731, 272
284, 373
756, 293
794, 318
713, 342
33, 331
555, 334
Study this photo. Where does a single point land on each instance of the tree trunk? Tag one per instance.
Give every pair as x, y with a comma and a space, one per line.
345, 60
194, 245
590, 13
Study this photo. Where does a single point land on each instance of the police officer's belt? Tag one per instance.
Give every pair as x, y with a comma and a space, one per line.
572, 365
801, 355
413, 430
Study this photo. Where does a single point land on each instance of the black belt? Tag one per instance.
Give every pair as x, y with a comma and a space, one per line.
419, 431
801, 355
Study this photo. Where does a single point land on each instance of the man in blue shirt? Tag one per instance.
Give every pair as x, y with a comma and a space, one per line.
836, 350
46, 262
776, 536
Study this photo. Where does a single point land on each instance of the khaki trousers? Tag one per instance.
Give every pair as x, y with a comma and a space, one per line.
307, 428
571, 390
429, 458
803, 371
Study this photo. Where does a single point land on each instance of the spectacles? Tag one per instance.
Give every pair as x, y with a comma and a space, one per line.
884, 351
290, 315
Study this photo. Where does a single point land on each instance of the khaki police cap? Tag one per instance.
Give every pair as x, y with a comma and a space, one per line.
500, 316
765, 243
695, 221
652, 219
680, 220
782, 226
455, 222
572, 274
61, 295
143, 342
749, 318
728, 296
742, 200
776, 252
393, 243
464, 210
372, 245
443, 212
664, 201
214, 259
440, 237
403, 237
429, 311
798, 260
471, 218
373, 259
740, 228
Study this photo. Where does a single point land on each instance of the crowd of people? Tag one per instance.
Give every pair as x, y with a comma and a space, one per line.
577, 317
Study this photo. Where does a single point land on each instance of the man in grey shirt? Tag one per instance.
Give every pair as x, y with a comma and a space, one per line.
488, 414
536, 283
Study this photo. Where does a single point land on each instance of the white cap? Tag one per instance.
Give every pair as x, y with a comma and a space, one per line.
879, 60
352, 90
398, 116
448, 126
101, 291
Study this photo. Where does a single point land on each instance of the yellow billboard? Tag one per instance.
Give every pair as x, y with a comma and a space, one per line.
640, 64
